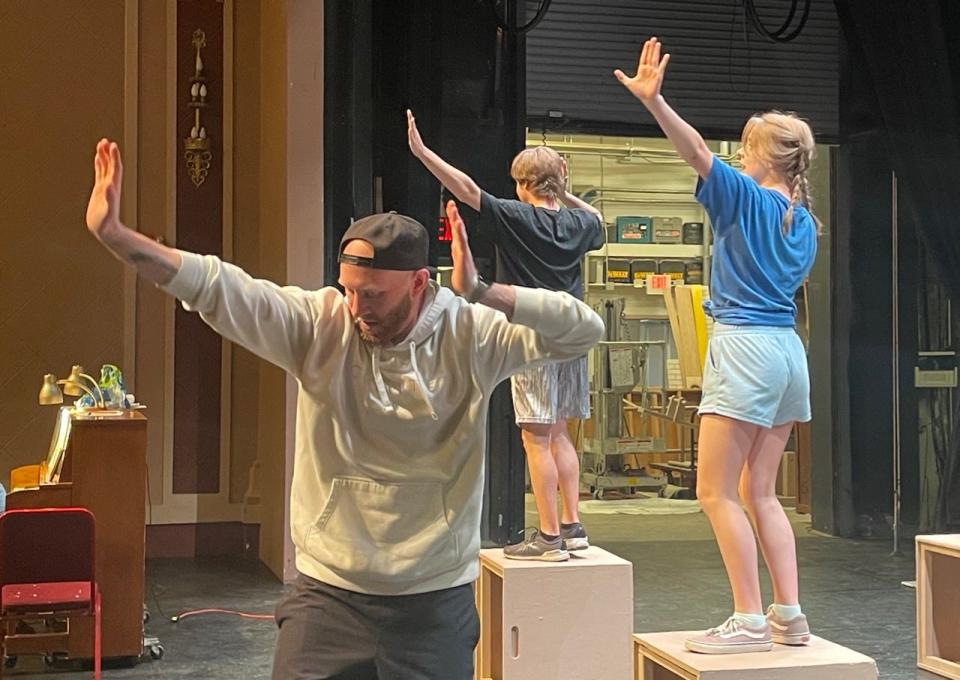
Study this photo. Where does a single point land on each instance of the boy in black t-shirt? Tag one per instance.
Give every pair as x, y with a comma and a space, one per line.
541, 240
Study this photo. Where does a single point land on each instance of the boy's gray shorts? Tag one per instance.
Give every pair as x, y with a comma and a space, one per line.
550, 392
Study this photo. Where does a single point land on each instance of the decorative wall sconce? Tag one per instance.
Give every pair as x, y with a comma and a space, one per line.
197, 146
73, 386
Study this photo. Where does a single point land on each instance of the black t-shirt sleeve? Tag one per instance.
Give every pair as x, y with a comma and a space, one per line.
598, 236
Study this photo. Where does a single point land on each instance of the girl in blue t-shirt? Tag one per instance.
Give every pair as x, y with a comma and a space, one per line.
755, 383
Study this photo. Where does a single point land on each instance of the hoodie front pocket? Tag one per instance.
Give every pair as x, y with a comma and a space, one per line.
384, 531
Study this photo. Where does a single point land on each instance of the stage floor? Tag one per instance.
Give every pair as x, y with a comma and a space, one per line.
850, 589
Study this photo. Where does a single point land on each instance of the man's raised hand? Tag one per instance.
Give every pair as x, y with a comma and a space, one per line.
413, 136
464, 276
103, 209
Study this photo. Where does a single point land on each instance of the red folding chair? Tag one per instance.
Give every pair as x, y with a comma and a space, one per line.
47, 570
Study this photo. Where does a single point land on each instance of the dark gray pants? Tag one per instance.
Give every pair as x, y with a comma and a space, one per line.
330, 633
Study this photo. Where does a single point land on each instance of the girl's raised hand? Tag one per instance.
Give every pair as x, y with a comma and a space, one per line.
645, 85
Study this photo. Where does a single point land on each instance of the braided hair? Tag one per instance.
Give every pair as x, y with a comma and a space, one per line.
786, 142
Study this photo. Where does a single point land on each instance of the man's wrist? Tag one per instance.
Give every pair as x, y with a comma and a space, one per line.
110, 234
479, 289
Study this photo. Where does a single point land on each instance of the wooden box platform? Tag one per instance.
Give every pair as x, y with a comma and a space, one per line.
662, 656
938, 604
560, 620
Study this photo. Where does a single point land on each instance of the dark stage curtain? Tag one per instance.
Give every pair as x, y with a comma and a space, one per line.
912, 52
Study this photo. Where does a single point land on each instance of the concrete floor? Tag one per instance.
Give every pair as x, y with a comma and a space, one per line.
849, 589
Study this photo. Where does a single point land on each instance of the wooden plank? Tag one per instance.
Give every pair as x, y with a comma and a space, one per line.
671, 304
687, 344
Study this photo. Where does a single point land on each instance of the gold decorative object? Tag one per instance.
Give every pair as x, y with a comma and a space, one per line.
197, 146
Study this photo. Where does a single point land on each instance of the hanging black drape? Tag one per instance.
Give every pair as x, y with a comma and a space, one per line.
912, 54
910, 49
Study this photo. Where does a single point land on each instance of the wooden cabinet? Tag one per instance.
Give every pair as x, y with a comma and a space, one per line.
104, 470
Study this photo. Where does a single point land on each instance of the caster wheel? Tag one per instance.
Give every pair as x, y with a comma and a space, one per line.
156, 651
48, 660
10, 662
146, 614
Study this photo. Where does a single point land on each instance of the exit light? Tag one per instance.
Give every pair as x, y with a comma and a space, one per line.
444, 232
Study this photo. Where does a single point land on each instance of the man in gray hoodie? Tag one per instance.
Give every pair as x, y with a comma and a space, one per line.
394, 375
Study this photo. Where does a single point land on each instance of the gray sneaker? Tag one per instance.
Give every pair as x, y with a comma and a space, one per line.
732, 637
574, 536
536, 547
795, 631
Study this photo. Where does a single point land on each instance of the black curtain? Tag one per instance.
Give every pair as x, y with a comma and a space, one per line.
911, 51
463, 76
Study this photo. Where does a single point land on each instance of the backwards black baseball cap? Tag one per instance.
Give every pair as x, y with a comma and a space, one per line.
399, 242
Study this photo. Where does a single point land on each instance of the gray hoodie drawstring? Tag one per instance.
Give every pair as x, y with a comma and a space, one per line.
378, 378
420, 381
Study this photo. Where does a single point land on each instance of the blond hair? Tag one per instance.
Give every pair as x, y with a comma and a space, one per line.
540, 171
786, 142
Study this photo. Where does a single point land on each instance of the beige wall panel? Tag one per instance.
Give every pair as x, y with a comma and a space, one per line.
152, 304
273, 219
245, 392
61, 294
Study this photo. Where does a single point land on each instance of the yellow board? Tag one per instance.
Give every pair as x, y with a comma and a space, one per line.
691, 363
699, 321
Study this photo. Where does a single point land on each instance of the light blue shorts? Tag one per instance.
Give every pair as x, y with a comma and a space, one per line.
757, 374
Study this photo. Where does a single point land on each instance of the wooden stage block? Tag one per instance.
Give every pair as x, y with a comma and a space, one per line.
662, 656
938, 604
568, 620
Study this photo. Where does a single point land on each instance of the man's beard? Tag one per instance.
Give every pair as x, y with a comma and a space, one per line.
388, 328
